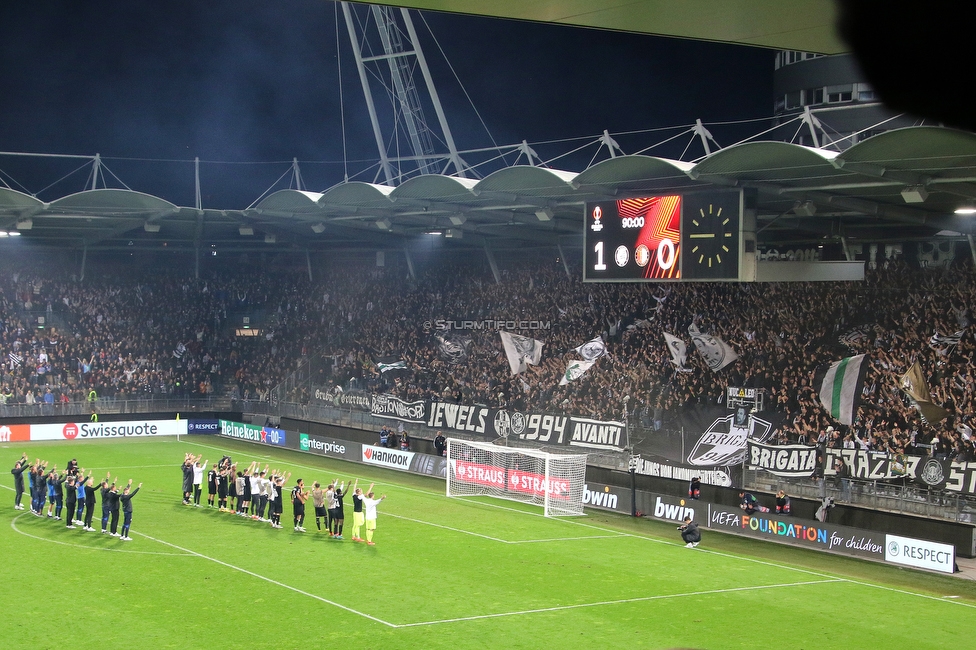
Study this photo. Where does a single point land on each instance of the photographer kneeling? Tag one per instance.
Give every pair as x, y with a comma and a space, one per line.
690, 533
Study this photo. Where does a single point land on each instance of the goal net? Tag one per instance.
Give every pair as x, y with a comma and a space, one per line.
554, 481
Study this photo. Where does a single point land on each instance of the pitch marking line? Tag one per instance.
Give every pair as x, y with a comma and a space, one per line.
497, 539
13, 524
456, 530
272, 581
640, 599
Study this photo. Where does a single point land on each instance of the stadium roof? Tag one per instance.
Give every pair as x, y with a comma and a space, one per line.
804, 25
898, 185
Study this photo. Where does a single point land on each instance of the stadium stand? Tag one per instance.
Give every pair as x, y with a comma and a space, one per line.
130, 336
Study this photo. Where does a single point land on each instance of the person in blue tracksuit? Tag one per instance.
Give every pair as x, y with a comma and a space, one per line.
82, 498
90, 493
104, 491
39, 481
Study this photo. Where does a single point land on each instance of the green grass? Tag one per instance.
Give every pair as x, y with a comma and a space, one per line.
445, 573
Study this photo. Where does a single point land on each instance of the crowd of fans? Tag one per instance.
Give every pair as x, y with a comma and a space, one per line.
131, 336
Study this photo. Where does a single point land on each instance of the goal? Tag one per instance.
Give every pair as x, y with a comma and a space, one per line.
554, 481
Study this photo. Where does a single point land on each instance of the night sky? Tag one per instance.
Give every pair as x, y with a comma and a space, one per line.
249, 85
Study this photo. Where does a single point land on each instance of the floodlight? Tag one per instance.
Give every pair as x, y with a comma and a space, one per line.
805, 209
914, 194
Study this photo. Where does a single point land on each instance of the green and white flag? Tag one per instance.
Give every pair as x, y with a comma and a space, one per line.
575, 370
386, 366
839, 387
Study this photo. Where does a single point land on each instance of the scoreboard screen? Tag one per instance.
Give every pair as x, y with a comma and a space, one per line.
664, 238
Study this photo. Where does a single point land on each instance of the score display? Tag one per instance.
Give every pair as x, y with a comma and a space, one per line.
664, 238
634, 239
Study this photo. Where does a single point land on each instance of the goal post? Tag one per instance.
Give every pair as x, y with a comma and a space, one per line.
553, 481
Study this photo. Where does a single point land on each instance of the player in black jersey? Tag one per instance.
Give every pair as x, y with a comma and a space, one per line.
211, 485
126, 499
298, 497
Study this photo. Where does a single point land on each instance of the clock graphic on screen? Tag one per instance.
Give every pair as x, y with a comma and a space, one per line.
710, 233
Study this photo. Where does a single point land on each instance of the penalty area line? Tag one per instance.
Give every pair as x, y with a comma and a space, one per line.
641, 599
272, 581
498, 539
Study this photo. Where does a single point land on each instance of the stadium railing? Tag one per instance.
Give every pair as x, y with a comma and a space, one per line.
876, 495
109, 405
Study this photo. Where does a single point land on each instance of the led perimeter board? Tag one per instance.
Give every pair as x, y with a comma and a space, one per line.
689, 237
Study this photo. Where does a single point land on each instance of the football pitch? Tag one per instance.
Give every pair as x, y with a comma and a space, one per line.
445, 573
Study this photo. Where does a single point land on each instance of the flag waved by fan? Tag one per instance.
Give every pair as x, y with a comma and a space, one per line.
678, 350
574, 370
521, 351
913, 384
716, 352
839, 387
592, 349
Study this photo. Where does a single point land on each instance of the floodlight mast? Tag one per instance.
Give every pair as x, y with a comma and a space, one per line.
408, 110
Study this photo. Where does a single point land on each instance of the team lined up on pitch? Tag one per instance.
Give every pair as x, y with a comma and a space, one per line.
253, 492
73, 493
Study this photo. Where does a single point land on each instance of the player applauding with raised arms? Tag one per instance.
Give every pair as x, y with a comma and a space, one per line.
126, 500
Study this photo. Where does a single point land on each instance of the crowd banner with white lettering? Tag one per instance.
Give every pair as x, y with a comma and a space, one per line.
712, 436
254, 433
357, 400
541, 428
929, 472
794, 461
394, 408
96, 430
920, 553
722, 476
485, 421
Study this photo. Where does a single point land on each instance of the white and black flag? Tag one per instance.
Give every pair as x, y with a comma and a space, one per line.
940, 343
592, 349
678, 350
521, 350
455, 350
716, 352
15, 360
